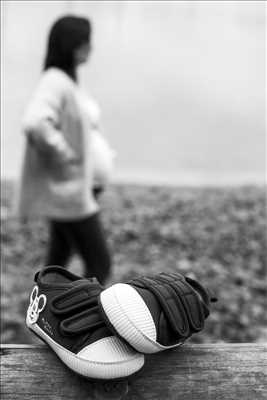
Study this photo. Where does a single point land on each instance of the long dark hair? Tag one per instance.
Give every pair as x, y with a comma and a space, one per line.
65, 36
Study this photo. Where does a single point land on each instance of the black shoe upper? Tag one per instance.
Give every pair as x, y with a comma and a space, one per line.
179, 305
71, 314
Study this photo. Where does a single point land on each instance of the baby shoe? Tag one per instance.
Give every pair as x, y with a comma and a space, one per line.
156, 313
64, 312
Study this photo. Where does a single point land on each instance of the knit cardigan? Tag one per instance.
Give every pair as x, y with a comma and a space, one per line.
56, 179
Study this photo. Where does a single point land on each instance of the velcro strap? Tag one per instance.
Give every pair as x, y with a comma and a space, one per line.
78, 296
171, 304
184, 301
193, 306
82, 322
206, 294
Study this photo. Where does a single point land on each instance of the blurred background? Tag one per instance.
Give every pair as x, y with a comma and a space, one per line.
181, 86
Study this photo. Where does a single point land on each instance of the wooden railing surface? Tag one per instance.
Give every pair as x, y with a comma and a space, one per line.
191, 372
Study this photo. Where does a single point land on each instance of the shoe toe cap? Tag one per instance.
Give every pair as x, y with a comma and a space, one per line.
108, 350
116, 357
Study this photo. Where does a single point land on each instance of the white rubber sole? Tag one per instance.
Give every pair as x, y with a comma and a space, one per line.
130, 317
108, 358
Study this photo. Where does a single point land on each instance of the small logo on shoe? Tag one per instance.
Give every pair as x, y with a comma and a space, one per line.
47, 326
37, 304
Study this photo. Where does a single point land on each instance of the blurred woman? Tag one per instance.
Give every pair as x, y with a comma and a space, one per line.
62, 165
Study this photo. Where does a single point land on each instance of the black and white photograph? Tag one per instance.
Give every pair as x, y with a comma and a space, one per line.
133, 200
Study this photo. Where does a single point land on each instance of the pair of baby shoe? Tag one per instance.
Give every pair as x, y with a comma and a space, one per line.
103, 333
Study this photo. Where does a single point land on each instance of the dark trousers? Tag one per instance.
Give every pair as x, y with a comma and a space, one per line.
86, 237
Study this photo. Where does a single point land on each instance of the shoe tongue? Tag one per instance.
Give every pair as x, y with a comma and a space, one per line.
78, 282
58, 276
84, 281
55, 276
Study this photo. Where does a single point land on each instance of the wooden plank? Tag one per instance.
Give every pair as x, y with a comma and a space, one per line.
192, 372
